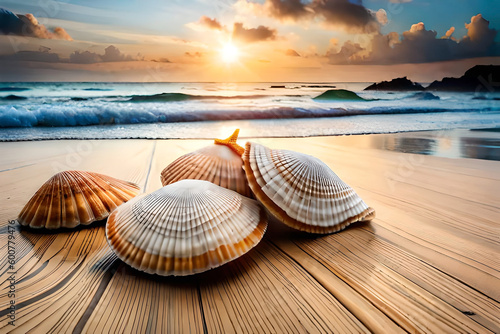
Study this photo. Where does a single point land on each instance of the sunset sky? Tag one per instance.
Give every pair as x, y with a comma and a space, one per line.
261, 40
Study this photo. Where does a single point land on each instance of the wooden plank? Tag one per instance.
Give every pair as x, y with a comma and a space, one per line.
266, 291
366, 312
354, 257
428, 263
135, 302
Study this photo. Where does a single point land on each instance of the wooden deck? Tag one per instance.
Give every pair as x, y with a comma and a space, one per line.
429, 262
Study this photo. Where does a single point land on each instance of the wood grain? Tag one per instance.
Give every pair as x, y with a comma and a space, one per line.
428, 263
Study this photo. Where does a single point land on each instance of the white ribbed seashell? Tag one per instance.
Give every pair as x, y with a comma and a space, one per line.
302, 191
185, 228
71, 198
219, 163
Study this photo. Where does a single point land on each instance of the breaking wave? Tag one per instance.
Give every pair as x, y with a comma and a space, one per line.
177, 97
67, 115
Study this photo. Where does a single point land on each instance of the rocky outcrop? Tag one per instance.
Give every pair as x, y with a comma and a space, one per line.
399, 84
480, 78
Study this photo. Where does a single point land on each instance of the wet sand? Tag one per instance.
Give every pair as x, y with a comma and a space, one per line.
429, 262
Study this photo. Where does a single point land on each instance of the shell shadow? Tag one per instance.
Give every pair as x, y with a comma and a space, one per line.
98, 223
212, 277
277, 230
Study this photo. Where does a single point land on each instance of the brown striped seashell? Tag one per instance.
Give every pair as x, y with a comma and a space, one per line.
302, 191
71, 198
219, 163
185, 228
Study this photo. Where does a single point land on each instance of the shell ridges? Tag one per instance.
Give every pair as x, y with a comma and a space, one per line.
218, 163
184, 228
71, 198
302, 191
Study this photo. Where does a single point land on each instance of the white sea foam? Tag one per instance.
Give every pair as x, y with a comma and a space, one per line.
111, 110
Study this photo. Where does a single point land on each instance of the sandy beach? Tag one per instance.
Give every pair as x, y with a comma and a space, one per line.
429, 262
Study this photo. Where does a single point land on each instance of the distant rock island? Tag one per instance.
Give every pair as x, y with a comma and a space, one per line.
424, 96
485, 78
399, 84
339, 95
480, 78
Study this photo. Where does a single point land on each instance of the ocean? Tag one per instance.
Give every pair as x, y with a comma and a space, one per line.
95, 110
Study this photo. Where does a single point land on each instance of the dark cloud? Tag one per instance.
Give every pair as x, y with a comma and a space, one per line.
419, 45
349, 15
111, 54
348, 53
250, 35
210, 23
85, 57
479, 37
40, 56
161, 60
27, 25
193, 54
287, 9
352, 16
292, 53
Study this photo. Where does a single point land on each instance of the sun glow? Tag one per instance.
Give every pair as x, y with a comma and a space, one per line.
229, 54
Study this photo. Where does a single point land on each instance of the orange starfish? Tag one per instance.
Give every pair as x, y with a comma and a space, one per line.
231, 143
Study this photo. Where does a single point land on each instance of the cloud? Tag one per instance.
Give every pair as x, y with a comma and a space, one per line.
239, 32
351, 16
419, 45
85, 57
381, 16
292, 53
38, 56
449, 34
479, 33
161, 60
27, 25
348, 53
250, 35
111, 54
210, 23
287, 9
206, 23
193, 54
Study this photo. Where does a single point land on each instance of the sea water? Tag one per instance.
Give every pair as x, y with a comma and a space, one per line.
34, 111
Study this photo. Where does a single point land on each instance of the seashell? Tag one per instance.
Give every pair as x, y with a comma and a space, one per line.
219, 163
185, 228
72, 198
302, 191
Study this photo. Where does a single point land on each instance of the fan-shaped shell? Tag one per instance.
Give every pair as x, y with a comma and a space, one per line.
218, 164
72, 198
302, 191
185, 228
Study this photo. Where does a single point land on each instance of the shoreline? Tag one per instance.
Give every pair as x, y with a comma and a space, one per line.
486, 139
272, 128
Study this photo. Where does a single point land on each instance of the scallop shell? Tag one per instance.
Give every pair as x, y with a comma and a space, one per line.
302, 191
185, 228
219, 163
72, 198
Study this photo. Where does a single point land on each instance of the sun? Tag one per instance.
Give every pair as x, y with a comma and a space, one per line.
229, 53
